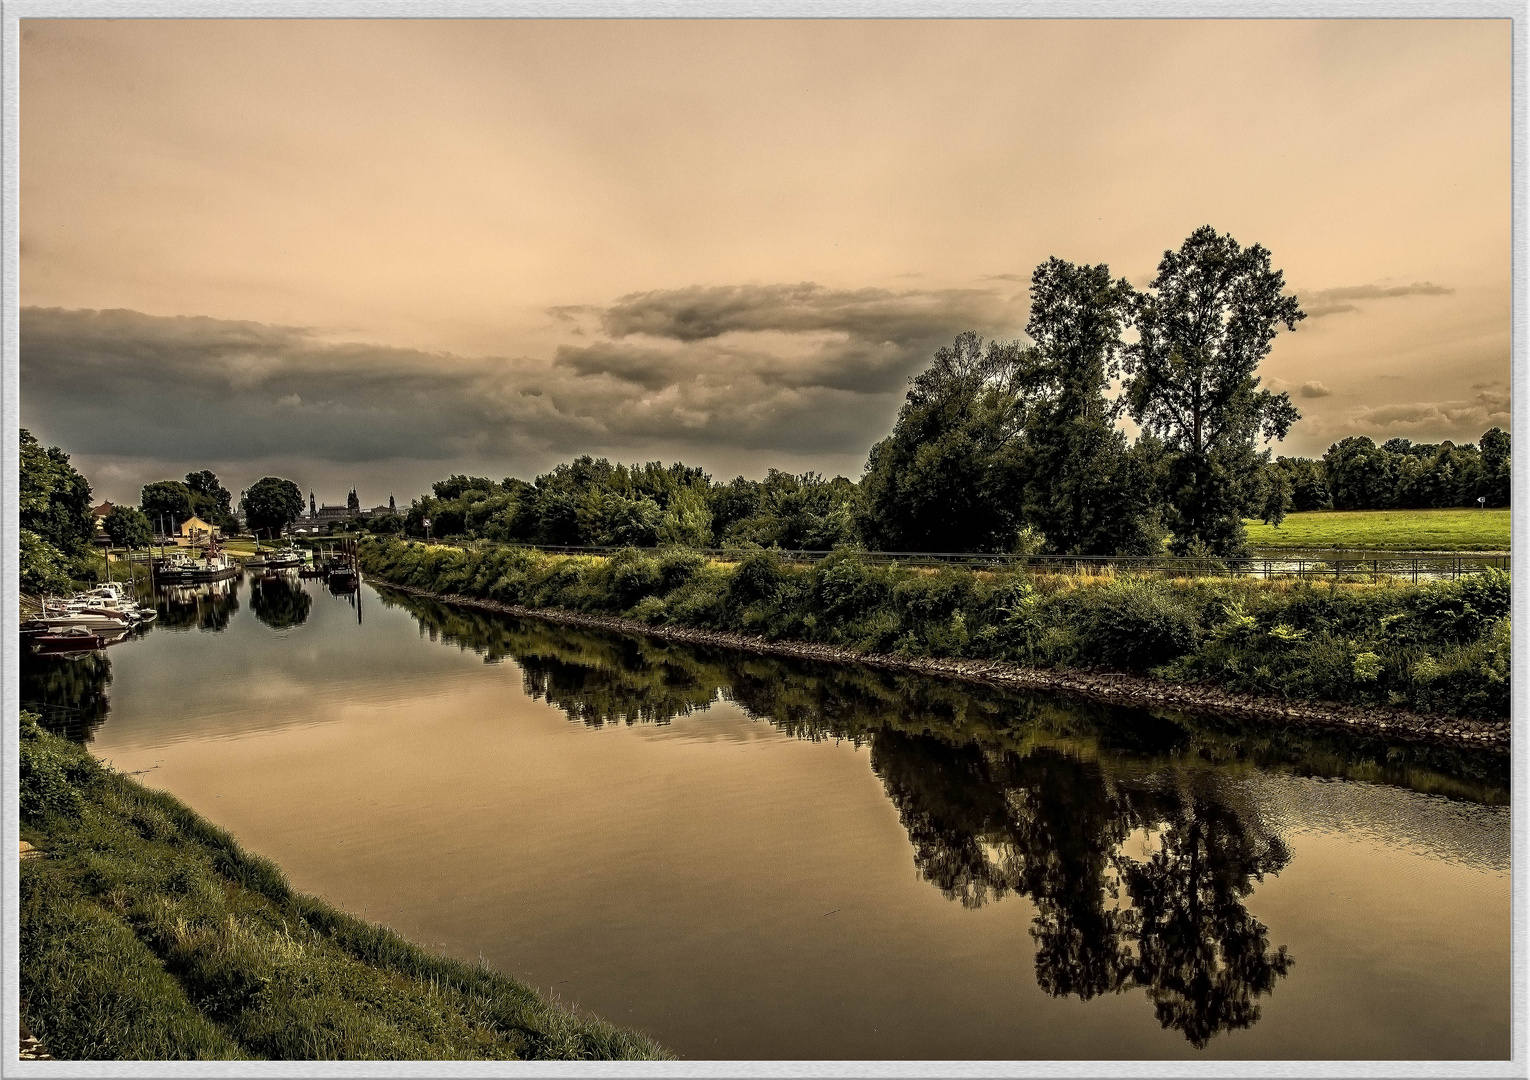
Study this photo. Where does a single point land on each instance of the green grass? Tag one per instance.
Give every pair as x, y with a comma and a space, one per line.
147, 933
1389, 530
1433, 646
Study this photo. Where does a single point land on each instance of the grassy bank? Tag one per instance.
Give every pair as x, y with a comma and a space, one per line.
1387, 530
1439, 647
147, 933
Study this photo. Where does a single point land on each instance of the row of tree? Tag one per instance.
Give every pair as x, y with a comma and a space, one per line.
593, 502
999, 446
1356, 474
269, 505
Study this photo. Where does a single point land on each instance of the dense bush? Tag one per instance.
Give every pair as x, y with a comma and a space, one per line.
1442, 647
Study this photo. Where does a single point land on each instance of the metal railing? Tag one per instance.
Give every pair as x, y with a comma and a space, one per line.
1372, 566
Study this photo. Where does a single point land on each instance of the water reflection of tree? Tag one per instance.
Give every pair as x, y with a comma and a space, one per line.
67, 692
1054, 827
1202, 957
280, 601
197, 607
1117, 824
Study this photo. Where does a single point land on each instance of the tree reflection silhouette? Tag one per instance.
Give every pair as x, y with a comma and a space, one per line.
1118, 825
1054, 827
67, 692
280, 601
1201, 956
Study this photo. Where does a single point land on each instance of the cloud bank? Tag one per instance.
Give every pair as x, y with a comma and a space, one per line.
1460, 420
673, 373
1323, 302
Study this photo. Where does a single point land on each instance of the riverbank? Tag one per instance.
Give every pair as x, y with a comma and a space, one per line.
1117, 688
147, 933
1428, 660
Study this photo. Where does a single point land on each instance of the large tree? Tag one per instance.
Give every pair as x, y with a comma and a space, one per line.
127, 527
1360, 474
947, 478
54, 499
1208, 319
1083, 491
1494, 485
166, 503
270, 504
210, 500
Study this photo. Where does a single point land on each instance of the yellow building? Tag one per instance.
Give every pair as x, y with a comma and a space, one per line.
194, 532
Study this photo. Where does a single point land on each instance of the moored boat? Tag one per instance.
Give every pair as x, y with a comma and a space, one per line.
74, 638
184, 570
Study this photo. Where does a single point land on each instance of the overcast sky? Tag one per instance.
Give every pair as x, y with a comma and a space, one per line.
378, 252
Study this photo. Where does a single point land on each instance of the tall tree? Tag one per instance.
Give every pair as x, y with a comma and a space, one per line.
127, 527
1209, 320
167, 503
1494, 485
271, 504
1081, 491
1360, 474
947, 478
54, 499
210, 500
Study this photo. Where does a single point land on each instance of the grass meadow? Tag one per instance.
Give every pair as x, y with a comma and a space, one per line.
1387, 530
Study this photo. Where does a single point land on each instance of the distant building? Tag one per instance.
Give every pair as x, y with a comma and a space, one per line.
98, 515
322, 515
194, 532
326, 514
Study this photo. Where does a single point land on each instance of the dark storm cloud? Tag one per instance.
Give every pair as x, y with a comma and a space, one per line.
805, 369
1334, 301
872, 315
1315, 389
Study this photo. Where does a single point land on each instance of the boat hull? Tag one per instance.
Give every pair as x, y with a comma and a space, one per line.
195, 577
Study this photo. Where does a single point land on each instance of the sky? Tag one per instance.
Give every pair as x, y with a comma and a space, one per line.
372, 253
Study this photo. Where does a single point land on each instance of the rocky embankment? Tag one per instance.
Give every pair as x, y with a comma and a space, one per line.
1112, 687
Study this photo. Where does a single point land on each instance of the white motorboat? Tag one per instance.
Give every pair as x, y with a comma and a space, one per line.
94, 619
112, 601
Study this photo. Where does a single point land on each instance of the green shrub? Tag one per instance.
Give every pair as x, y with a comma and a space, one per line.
1132, 624
1438, 646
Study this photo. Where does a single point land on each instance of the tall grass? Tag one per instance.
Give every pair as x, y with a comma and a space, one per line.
1438, 647
148, 933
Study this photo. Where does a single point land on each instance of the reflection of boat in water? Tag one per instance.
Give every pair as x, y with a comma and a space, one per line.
206, 606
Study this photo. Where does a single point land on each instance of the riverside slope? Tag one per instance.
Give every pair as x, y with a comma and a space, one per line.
1116, 688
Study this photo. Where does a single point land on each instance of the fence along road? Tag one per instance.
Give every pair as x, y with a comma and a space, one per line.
1339, 565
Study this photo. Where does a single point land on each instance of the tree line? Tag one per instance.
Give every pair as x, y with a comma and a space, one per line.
1356, 474
999, 446
1002, 446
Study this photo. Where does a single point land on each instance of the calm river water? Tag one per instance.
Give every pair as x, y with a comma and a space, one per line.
757, 858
